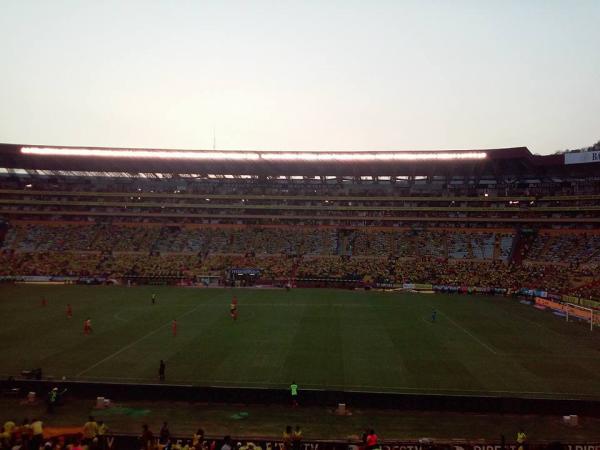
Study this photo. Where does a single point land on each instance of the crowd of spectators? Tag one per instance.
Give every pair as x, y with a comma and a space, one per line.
174, 239
110, 238
33, 238
139, 265
49, 264
95, 264
95, 435
280, 267
440, 272
24, 436
343, 267
169, 239
273, 267
79, 237
580, 248
562, 263
258, 240
431, 243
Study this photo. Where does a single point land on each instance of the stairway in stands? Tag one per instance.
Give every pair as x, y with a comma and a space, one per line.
3, 230
163, 235
345, 242
294, 271
497, 249
521, 243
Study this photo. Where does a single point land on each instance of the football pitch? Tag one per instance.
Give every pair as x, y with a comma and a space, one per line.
322, 339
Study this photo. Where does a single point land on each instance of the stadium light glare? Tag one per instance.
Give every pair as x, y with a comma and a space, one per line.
255, 156
412, 156
161, 154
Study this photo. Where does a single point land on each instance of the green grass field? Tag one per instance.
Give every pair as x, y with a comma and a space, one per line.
324, 339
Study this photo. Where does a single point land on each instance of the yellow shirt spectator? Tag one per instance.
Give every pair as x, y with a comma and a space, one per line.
37, 427
102, 429
90, 429
9, 427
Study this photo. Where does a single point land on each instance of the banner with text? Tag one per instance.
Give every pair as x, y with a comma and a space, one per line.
582, 158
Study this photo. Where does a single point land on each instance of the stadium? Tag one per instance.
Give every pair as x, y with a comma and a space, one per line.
456, 281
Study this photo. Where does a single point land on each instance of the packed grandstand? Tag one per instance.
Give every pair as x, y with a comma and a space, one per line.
485, 219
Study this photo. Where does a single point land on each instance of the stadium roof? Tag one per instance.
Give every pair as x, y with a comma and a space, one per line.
506, 161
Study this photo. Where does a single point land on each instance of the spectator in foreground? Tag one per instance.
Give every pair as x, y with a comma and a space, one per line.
7, 433
297, 438
227, 443
287, 438
24, 433
77, 446
90, 431
102, 432
250, 446
198, 439
521, 440
37, 431
372, 440
164, 434
147, 438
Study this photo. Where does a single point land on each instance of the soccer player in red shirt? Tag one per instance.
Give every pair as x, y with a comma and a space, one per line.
44, 301
69, 311
87, 326
233, 311
174, 327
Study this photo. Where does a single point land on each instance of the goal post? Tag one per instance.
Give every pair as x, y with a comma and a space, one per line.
582, 313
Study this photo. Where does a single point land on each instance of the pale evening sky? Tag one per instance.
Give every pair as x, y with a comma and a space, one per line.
305, 75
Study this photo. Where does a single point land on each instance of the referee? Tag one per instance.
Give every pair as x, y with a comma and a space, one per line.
294, 393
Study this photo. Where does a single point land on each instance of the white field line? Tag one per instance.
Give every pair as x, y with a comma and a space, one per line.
475, 338
156, 330
230, 383
428, 322
118, 317
539, 325
285, 304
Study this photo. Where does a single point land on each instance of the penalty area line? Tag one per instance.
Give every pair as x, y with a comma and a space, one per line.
475, 338
128, 346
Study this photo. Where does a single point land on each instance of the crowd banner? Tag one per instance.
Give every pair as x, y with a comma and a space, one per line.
570, 299
36, 279
418, 286
245, 271
589, 303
